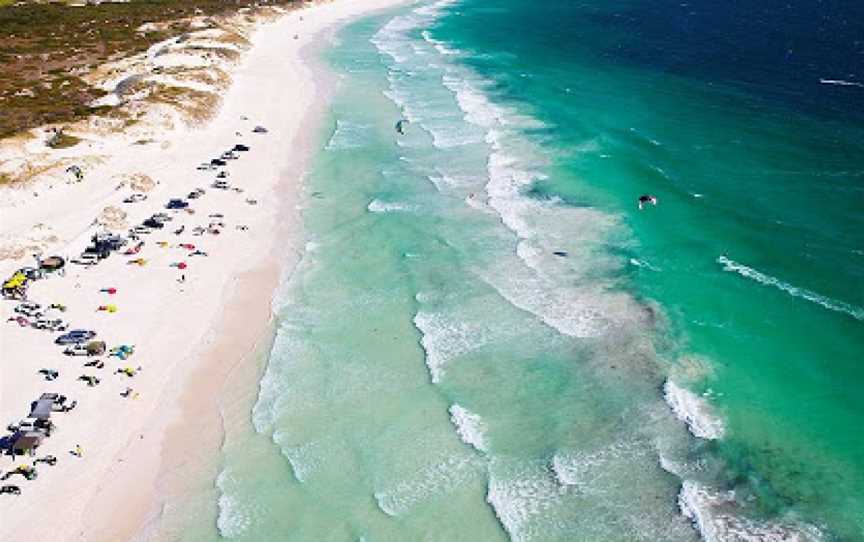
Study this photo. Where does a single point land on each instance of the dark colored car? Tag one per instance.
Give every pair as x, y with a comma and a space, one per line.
75, 336
218, 162
240, 148
152, 223
177, 204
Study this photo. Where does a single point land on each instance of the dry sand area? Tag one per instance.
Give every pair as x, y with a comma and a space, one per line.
190, 327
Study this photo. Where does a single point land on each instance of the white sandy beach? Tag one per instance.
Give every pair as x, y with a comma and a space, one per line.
188, 337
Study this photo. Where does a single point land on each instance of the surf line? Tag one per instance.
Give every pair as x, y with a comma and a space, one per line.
750, 273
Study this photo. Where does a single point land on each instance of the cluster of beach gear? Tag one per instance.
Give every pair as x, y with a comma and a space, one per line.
15, 287
23, 438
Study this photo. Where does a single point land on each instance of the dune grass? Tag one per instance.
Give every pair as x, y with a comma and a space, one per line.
44, 46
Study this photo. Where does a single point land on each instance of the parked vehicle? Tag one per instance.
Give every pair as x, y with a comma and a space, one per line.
33, 310
75, 336
176, 204
50, 325
135, 198
153, 224
141, 230
162, 217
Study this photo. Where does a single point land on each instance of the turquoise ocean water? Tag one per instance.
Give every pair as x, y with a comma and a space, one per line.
487, 340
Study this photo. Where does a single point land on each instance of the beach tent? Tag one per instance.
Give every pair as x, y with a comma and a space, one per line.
15, 286
96, 348
26, 442
16, 280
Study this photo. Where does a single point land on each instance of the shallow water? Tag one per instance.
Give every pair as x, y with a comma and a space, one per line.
487, 340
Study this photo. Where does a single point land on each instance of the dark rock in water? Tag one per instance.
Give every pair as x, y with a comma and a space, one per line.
560, 253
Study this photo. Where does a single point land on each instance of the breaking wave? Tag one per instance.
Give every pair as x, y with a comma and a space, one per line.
767, 280
433, 481
713, 514
233, 518
693, 411
469, 427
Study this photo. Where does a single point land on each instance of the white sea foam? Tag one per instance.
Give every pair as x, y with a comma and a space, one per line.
750, 273
435, 9
439, 46
273, 387
304, 459
444, 339
378, 206
841, 83
587, 470
469, 427
233, 518
433, 481
348, 135
523, 495
642, 263
715, 516
693, 411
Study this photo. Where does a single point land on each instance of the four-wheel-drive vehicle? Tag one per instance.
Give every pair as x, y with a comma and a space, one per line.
135, 198
153, 224
75, 336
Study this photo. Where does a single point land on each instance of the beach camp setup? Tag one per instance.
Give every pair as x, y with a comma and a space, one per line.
80, 345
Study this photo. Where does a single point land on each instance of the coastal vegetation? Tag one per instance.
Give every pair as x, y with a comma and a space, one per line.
46, 48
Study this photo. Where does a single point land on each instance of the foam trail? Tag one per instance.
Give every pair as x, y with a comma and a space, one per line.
378, 206
642, 263
444, 340
841, 83
767, 280
693, 411
433, 481
439, 46
469, 427
232, 519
